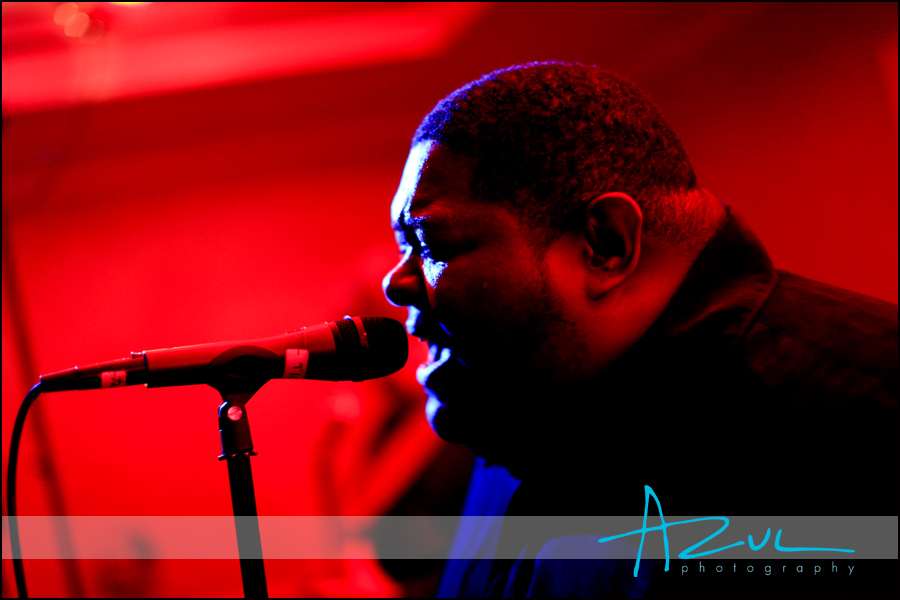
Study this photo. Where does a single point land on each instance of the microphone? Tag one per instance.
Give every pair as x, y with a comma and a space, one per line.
352, 349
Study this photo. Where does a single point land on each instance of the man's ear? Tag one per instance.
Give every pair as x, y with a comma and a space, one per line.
613, 233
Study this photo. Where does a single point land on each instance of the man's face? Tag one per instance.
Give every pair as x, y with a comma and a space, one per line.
478, 291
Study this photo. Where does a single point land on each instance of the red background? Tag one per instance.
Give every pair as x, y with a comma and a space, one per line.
160, 209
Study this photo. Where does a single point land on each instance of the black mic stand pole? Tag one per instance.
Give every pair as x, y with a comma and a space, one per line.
237, 448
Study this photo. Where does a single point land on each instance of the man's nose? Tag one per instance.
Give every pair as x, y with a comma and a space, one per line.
403, 284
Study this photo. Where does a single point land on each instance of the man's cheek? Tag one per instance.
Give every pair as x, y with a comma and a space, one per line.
469, 320
462, 308
433, 271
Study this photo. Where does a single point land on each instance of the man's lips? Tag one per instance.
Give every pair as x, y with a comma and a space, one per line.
438, 356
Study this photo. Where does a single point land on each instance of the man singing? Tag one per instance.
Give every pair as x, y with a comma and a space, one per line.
598, 322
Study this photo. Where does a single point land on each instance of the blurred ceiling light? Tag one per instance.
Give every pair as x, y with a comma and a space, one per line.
63, 12
77, 24
192, 45
130, 3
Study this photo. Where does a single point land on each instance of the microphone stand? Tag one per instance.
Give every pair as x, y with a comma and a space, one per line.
237, 448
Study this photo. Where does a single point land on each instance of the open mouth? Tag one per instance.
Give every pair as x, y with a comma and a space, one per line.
438, 356
435, 352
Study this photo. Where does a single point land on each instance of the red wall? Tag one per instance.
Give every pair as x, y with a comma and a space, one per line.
253, 209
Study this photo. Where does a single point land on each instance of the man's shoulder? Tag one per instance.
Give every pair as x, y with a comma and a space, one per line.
821, 343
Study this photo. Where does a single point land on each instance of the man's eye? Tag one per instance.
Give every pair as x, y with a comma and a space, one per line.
434, 253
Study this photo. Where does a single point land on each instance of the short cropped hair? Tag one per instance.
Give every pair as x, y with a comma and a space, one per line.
548, 137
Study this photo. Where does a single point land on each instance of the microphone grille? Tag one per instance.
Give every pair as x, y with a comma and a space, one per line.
386, 352
349, 336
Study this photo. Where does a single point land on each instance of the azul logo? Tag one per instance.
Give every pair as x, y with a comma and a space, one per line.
648, 491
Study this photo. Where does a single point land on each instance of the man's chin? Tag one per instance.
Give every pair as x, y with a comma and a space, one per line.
444, 421
482, 432
432, 407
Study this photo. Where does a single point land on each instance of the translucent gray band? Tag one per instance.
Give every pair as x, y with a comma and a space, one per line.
213, 537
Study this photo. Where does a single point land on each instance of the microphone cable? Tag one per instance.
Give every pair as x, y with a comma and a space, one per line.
15, 547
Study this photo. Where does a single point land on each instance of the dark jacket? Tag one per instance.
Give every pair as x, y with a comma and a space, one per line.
756, 392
